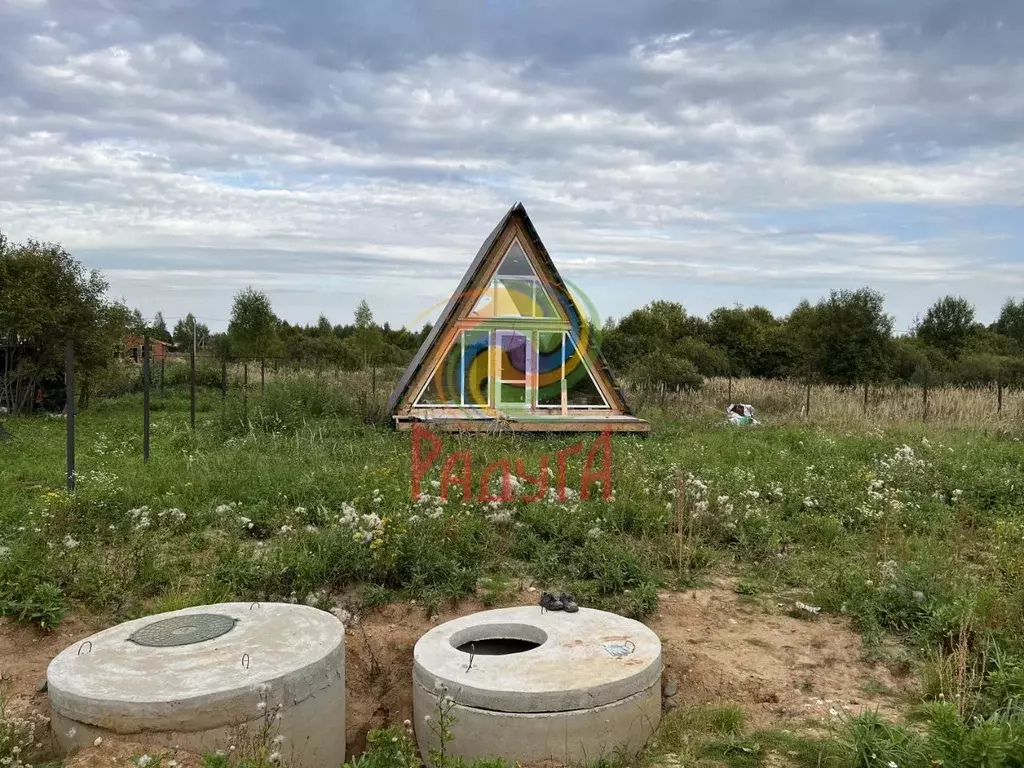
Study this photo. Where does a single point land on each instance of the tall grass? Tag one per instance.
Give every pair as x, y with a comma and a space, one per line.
785, 401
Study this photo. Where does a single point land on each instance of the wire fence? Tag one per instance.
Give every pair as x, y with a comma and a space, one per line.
777, 400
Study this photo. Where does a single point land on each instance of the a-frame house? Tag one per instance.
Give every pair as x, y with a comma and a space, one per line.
511, 350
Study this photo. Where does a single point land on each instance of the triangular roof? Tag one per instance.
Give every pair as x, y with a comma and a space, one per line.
482, 261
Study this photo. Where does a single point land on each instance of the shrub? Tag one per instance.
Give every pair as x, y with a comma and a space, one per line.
660, 370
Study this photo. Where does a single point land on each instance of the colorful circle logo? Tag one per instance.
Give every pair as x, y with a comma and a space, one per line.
531, 339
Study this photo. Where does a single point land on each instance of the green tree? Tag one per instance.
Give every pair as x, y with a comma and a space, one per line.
368, 339
659, 325
753, 339
948, 325
47, 299
253, 326
708, 360
184, 330
159, 328
845, 339
1011, 320
667, 373
220, 343
364, 315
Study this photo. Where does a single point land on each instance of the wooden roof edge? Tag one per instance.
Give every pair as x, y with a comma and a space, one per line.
449, 310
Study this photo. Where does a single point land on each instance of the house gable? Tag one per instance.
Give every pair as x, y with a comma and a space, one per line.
513, 346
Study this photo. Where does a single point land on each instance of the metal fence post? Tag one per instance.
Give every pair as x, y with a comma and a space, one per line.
192, 393
145, 398
69, 384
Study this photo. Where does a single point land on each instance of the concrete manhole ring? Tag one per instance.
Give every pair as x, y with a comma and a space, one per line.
532, 685
192, 678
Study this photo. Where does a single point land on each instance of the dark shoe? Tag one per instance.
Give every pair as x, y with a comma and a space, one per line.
568, 603
550, 602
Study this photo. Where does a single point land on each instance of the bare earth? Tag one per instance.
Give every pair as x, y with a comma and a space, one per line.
718, 646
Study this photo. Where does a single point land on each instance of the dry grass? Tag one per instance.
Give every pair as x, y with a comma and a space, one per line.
783, 401
778, 401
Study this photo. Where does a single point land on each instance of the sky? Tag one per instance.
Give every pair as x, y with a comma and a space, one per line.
709, 152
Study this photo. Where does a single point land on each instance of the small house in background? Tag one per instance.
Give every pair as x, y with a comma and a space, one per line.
511, 350
158, 349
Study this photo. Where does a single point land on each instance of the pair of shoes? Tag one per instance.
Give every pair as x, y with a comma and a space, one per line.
549, 602
562, 602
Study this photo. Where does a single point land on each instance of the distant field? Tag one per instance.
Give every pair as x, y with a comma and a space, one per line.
910, 531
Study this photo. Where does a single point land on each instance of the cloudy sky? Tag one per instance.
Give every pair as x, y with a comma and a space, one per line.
709, 152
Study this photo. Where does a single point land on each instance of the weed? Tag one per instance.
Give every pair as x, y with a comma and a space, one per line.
21, 736
746, 588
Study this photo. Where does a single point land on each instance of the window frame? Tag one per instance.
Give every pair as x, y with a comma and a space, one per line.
462, 373
586, 367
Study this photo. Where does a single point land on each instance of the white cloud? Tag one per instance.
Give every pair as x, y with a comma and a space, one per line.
208, 161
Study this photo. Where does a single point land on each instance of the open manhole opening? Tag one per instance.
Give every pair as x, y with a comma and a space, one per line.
498, 646
499, 639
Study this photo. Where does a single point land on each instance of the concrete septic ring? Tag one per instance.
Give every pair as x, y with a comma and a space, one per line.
533, 685
192, 678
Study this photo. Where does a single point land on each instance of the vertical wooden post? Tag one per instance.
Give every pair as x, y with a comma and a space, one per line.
192, 392
729, 394
224, 378
999, 395
263, 375
163, 370
245, 391
146, 351
807, 398
866, 385
373, 382
69, 385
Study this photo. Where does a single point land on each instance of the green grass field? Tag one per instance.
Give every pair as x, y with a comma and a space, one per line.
915, 534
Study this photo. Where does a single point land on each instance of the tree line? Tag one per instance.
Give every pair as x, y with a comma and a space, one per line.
845, 338
47, 299
255, 332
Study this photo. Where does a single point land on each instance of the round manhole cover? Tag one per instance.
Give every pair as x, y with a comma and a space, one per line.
183, 630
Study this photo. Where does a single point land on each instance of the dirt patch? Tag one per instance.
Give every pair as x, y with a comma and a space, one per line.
784, 672
720, 647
